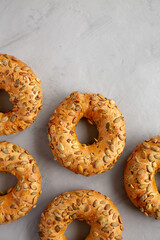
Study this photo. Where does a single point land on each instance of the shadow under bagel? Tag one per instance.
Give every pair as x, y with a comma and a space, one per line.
5, 104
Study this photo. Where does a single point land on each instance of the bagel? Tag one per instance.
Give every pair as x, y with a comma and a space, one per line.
93, 207
139, 177
81, 158
25, 93
22, 198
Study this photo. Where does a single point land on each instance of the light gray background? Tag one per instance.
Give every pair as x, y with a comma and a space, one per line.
110, 47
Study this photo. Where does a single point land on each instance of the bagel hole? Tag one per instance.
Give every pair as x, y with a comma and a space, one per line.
5, 104
77, 230
86, 132
7, 180
157, 179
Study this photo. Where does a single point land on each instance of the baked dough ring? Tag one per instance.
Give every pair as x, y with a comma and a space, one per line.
93, 207
22, 198
25, 93
81, 158
139, 180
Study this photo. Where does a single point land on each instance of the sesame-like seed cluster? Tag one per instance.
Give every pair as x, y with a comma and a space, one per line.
104, 152
25, 93
20, 199
139, 180
93, 207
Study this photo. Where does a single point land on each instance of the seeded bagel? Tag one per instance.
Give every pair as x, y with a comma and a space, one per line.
93, 207
22, 198
139, 177
25, 93
104, 152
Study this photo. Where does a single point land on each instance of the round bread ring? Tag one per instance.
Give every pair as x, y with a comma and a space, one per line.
22, 198
139, 180
25, 93
81, 158
93, 207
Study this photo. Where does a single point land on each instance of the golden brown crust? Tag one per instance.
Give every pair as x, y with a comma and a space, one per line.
139, 180
93, 207
25, 93
80, 158
22, 198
